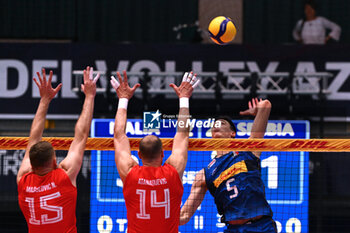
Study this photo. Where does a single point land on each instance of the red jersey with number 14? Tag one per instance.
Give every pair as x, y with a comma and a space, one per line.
153, 198
48, 202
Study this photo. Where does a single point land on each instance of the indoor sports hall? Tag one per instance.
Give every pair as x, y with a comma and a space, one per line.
262, 88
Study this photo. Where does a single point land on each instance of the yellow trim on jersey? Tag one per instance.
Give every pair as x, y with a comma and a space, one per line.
231, 171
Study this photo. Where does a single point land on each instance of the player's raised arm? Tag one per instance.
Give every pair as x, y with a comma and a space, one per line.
73, 161
261, 110
198, 190
178, 158
123, 158
47, 93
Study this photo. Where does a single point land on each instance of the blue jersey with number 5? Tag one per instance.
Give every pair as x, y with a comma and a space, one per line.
234, 180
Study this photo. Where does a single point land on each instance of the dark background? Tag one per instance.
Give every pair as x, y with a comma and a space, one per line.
265, 22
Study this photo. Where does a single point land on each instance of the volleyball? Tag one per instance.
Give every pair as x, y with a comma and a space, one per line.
222, 30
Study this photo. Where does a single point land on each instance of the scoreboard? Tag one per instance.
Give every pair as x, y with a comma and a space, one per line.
285, 175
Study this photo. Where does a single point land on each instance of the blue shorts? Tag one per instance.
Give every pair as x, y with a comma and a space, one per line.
264, 225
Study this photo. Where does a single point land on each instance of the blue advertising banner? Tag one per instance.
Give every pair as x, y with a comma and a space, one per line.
285, 175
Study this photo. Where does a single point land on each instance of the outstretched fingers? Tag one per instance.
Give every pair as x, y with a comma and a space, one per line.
184, 78
96, 78
44, 76
196, 81
119, 77
176, 89
189, 77
91, 73
42, 79
36, 81
137, 85
125, 77
38, 74
115, 84
256, 102
58, 88
86, 74
50, 78
192, 79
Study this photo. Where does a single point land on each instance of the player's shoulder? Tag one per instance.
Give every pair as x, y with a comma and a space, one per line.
61, 177
168, 167
24, 178
134, 171
169, 170
60, 172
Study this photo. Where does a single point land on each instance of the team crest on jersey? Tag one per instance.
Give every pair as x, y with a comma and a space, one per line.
211, 163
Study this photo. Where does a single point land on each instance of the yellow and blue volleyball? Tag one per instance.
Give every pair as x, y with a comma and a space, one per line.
222, 30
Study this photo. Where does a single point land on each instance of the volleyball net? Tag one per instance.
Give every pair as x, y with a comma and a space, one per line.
198, 144
285, 172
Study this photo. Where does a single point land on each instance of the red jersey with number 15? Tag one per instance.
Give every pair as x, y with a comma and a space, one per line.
48, 202
153, 198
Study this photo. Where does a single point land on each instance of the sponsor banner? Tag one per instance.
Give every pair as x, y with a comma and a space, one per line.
200, 128
20, 62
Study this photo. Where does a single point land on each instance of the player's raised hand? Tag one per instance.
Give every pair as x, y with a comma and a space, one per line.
253, 107
45, 86
122, 86
89, 86
189, 82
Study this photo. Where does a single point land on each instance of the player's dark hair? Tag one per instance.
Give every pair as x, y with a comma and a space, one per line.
40, 154
150, 147
229, 120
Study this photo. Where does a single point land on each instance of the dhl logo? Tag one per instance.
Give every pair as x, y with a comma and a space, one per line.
316, 145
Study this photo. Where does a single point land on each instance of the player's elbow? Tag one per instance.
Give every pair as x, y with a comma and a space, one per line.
81, 130
80, 135
118, 138
118, 132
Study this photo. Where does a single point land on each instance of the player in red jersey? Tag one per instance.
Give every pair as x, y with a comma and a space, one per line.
153, 191
47, 193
